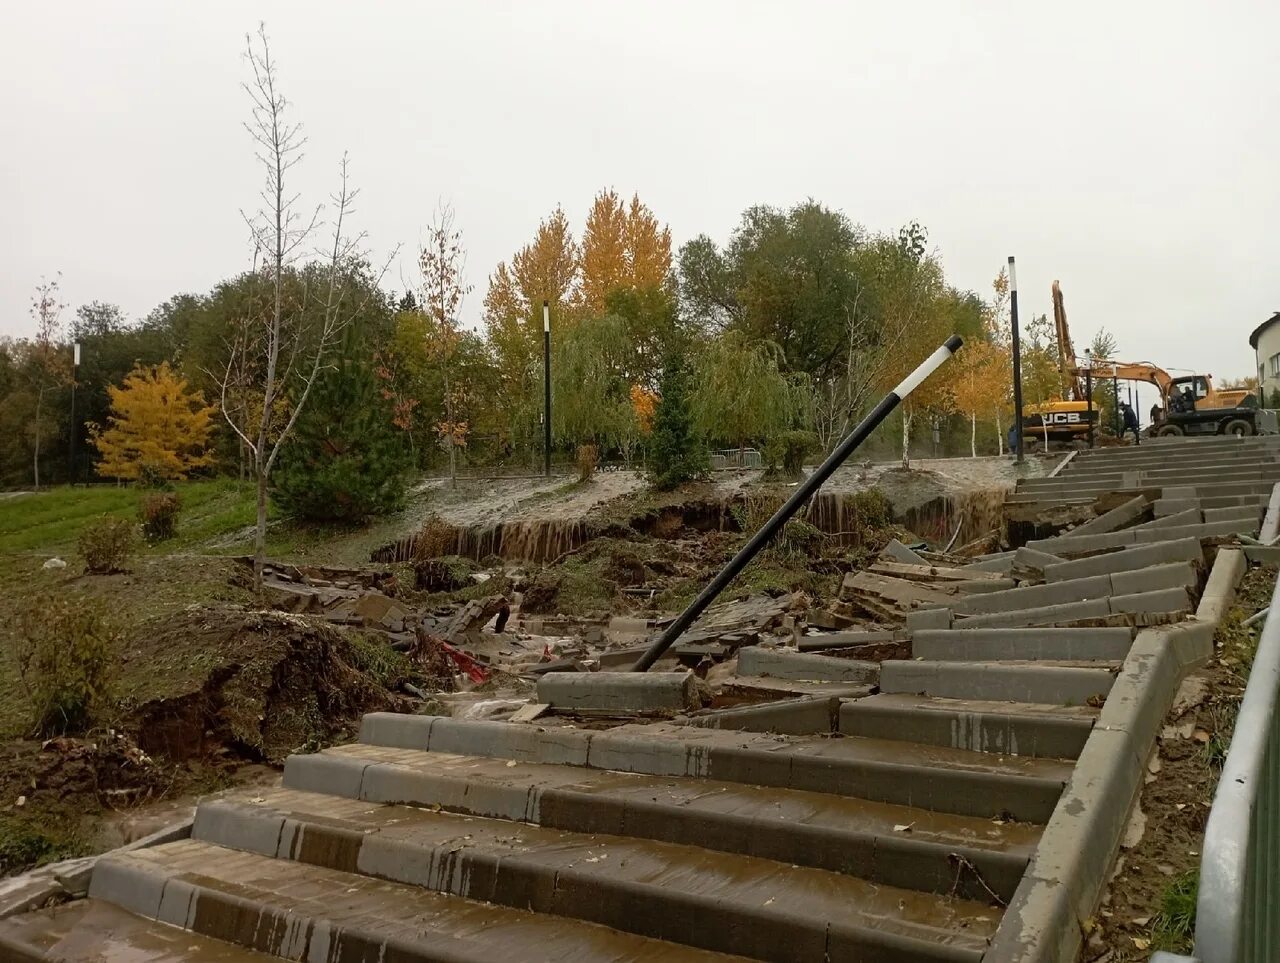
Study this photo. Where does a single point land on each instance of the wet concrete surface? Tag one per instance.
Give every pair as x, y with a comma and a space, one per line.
91, 931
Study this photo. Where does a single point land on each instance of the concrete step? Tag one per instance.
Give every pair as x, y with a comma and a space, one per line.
993, 645
1251, 514
1202, 447
803, 715
1020, 729
94, 931
755, 660
1205, 478
938, 779
1087, 492
1154, 461
839, 834
1171, 506
1037, 682
1142, 609
1132, 559
295, 911
637, 886
1172, 575
1139, 462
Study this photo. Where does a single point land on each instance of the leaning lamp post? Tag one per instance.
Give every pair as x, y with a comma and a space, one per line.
793, 504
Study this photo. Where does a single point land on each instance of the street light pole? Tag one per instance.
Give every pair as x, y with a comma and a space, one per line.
75, 372
1088, 392
546, 388
1017, 357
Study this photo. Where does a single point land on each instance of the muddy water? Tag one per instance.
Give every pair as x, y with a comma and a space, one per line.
975, 512
537, 540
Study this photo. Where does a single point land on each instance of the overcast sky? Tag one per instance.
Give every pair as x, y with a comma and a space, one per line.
1130, 149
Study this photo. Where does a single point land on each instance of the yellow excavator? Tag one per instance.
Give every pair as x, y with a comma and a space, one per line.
1189, 404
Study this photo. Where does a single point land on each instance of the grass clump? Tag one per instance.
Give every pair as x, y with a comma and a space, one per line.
1174, 926
24, 846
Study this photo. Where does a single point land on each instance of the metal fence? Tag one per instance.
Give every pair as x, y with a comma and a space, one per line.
737, 458
1238, 907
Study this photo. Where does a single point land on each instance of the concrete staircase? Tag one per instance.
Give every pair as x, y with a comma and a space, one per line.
890, 812
1207, 473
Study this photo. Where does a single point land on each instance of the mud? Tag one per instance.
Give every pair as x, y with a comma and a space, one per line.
260, 685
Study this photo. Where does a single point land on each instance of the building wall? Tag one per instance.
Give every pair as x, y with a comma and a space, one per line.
1269, 363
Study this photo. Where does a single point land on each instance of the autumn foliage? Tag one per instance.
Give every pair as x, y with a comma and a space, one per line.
157, 426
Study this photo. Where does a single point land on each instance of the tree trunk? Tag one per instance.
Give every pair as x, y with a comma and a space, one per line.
260, 533
973, 434
906, 438
36, 465
448, 417
999, 433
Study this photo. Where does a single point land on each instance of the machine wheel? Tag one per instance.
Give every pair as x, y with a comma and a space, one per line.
1169, 431
1238, 427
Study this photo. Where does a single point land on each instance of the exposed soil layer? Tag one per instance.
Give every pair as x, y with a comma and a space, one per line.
266, 684
220, 688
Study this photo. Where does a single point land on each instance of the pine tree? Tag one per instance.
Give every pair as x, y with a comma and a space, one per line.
677, 452
158, 428
346, 459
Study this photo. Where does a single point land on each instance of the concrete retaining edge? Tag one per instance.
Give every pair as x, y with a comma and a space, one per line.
71, 877
1271, 521
1065, 879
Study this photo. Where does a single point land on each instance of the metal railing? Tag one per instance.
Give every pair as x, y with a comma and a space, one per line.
1238, 906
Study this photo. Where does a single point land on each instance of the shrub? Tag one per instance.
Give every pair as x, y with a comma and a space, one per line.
677, 453
588, 458
104, 544
436, 537
64, 660
346, 459
787, 451
159, 515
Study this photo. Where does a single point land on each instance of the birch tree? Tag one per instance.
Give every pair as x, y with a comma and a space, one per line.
443, 262
275, 354
47, 366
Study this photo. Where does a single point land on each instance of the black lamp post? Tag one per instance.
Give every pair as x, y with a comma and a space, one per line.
75, 427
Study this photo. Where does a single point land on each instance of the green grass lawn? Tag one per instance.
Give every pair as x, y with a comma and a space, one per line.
217, 518
48, 522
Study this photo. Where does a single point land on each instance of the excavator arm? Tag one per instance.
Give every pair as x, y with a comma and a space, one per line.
1130, 371
1066, 351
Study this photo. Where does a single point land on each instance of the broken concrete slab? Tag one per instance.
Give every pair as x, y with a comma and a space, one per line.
843, 640
1177, 550
1188, 516
1029, 564
785, 664
900, 553
1128, 513
621, 692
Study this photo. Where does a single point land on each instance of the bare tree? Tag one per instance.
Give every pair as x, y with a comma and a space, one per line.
275, 355
443, 263
46, 366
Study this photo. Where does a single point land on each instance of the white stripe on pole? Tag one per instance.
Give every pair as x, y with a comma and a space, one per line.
1013, 277
927, 367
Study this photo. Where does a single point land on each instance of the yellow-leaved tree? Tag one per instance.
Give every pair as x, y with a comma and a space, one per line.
158, 426
979, 383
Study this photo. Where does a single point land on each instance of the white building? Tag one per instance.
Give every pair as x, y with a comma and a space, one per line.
1265, 342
